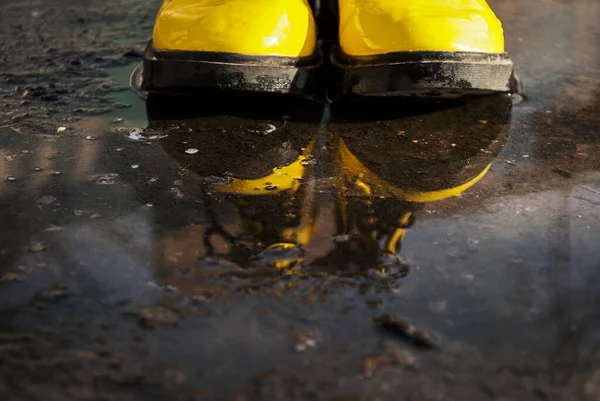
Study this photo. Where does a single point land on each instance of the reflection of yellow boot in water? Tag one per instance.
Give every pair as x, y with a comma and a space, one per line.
260, 175
430, 47
430, 156
231, 44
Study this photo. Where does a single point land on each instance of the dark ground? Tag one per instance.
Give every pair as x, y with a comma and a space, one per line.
127, 274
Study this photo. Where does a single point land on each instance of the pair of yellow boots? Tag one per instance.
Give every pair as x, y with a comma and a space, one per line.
383, 47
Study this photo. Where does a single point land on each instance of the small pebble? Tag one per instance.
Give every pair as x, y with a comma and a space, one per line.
191, 151
11, 277
157, 317
46, 200
52, 294
37, 246
10, 178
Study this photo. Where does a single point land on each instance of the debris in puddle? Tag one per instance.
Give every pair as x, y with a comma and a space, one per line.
107, 179
157, 317
562, 172
121, 105
472, 245
199, 299
397, 357
61, 129
402, 327
341, 239
10, 178
391, 266
309, 162
52, 294
170, 288
117, 120
82, 354
141, 135
304, 341
176, 193
267, 130
270, 128
37, 246
47, 199
12, 276
191, 151
213, 179
282, 256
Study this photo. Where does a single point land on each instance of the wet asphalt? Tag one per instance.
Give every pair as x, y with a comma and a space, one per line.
245, 249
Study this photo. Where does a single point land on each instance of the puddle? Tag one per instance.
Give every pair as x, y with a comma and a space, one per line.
294, 239
134, 114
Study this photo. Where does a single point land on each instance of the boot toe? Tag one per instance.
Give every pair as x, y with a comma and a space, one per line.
249, 27
372, 27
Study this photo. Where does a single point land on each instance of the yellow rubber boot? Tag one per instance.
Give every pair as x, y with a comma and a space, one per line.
375, 27
438, 47
250, 27
257, 45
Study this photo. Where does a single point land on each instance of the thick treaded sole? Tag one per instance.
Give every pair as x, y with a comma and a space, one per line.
183, 71
426, 74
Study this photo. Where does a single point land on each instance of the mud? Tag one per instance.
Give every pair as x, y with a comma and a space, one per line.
54, 56
253, 266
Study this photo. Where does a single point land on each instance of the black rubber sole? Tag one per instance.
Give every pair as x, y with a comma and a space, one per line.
185, 71
425, 74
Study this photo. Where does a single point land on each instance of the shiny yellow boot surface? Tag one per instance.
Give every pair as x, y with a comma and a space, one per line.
284, 28
375, 27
